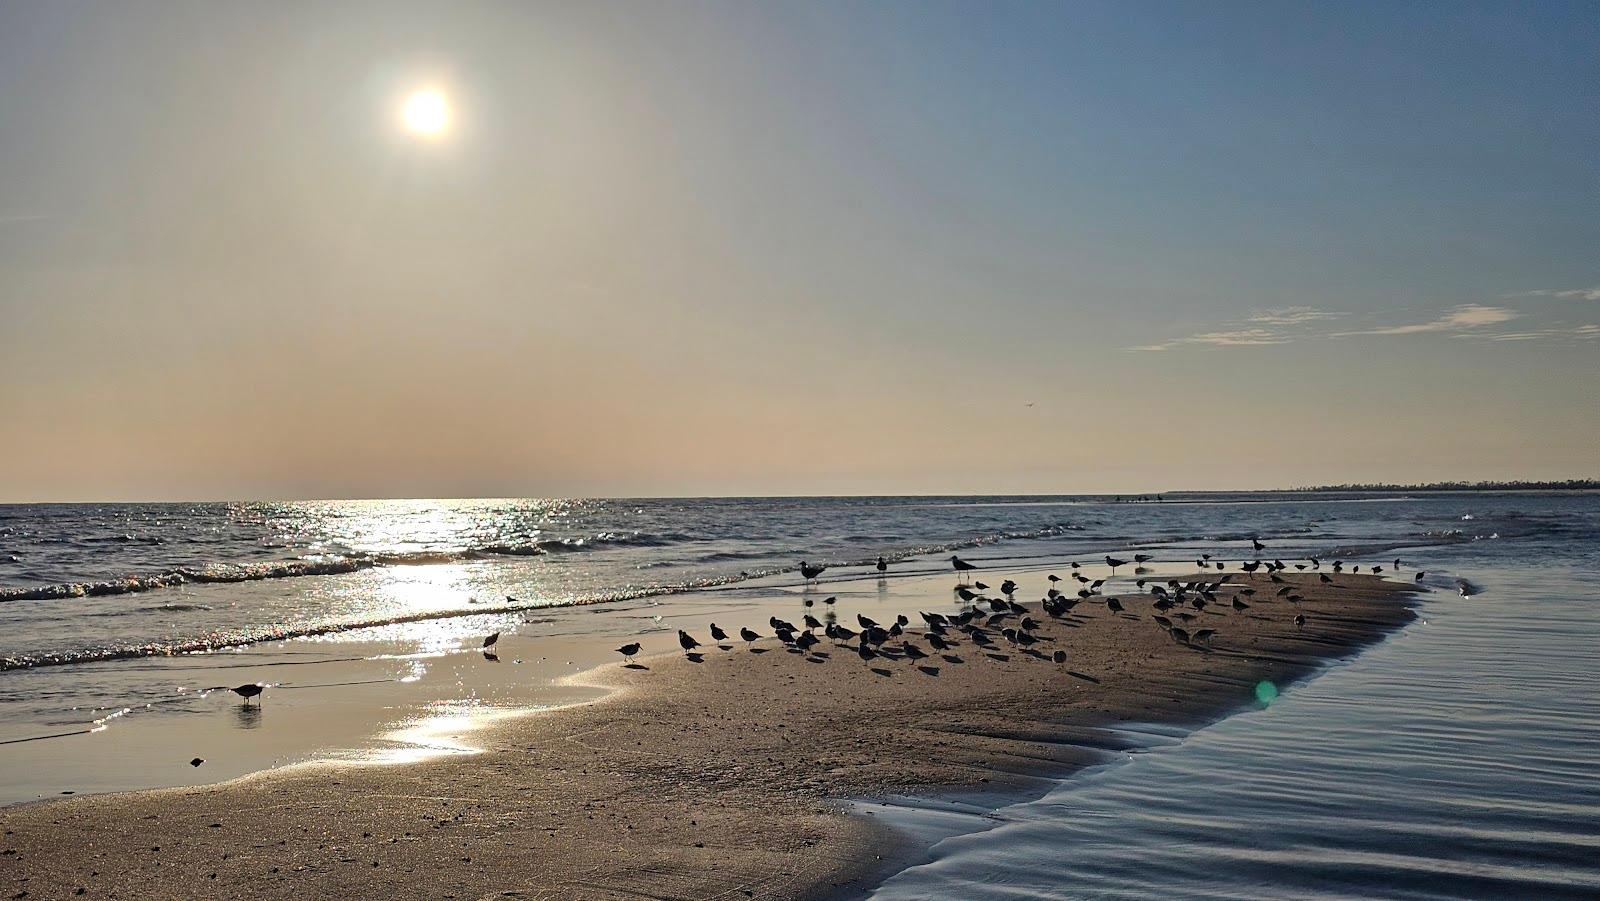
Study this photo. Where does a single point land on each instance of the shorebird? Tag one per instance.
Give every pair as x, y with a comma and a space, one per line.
1420, 575
1259, 547
1059, 657
811, 622
1053, 580
939, 644
1324, 578
866, 622
1114, 605
810, 572
883, 565
748, 636
489, 642
628, 650
911, 651
1204, 635
1299, 620
1114, 563
805, 640
1010, 587
687, 641
717, 634
248, 691
1141, 558
962, 567
829, 601
1181, 636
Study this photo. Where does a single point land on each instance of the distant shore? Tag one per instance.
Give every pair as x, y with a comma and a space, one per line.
697, 779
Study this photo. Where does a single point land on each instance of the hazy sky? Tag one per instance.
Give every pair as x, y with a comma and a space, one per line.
695, 248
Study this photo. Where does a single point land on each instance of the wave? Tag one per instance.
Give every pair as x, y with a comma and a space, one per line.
322, 565
224, 640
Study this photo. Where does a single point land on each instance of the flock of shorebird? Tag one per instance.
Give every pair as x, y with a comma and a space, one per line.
986, 619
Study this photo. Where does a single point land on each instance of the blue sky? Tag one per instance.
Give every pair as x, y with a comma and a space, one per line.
805, 248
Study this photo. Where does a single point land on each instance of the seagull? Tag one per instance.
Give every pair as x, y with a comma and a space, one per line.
248, 691
628, 650
687, 641
962, 566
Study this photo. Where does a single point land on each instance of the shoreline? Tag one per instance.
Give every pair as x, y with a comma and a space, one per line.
734, 774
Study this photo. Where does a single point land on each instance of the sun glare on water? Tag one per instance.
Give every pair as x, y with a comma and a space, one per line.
426, 114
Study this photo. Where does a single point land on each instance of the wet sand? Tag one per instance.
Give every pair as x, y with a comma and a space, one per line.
718, 778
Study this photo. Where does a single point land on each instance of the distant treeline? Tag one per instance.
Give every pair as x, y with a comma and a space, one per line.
1567, 485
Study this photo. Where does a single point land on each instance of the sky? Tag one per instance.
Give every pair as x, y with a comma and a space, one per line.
688, 248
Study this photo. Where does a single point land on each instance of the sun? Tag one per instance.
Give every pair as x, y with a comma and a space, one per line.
426, 113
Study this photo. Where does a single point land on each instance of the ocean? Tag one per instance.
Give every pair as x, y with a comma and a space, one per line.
1454, 759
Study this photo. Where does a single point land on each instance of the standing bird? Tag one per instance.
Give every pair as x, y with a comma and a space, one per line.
1008, 587
687, 641
962, 567
810, 572
489, 642
1299, 620
1114, 563
883, 565
248, 691
717, 635
628, 650
1259, 547
1420, 575
1114, 605
748, 636
1059, 657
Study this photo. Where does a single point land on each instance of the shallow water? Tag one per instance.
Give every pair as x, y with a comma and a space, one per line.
1457, 759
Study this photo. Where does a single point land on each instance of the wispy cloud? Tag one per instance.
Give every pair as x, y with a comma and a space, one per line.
1462, 318
1572, 294
1292, 316
1577, 332
1245, 337
1260, 329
